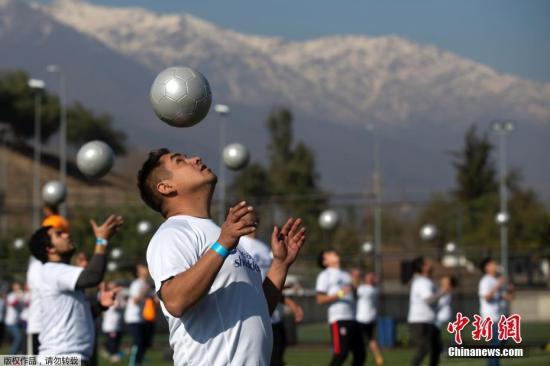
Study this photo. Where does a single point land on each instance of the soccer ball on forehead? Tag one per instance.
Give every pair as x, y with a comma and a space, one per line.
181, 96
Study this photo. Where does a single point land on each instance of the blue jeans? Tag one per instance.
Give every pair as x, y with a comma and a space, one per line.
494, 361
17, 339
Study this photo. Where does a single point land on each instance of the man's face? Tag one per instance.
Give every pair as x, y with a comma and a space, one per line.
427, 267
188, 174
491, 268
331, 259
60, 242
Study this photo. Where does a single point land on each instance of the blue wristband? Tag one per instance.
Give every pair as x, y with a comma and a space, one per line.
218, 248
101, 241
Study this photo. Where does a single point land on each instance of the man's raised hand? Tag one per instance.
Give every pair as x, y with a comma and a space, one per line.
287, 241
108, 228
238, 222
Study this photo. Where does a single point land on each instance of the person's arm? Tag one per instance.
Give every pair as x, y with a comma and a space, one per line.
184, 290
323, 298
295, 308
430, 300
92, 275
489, 295
285, 245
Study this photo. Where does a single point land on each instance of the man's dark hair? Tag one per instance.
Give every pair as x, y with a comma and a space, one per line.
417, 264
454, 281
484, 263
321, 257
149, 175
39, 243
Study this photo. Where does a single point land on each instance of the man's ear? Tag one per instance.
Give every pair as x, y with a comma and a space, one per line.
165, 188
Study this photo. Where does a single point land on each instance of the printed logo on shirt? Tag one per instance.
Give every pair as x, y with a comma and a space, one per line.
246, 260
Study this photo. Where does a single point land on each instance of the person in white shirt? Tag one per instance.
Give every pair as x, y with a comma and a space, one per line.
493, 292
34, 274
444, 312
366, 313
133, 315
111, 325
334, 288
422, 309
261, 253
211, 290
67, 325
14, 307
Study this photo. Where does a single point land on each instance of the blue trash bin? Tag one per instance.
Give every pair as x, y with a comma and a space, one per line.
386, 331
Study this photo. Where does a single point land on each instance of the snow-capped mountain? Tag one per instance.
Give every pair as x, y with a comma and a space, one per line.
388, 79
422, 98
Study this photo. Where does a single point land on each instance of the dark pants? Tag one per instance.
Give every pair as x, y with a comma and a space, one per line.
35, 344
16, 339
139, 342
346, 337
428, 341
279, 344
112, 342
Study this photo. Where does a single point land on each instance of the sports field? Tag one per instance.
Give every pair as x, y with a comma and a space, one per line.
314, 349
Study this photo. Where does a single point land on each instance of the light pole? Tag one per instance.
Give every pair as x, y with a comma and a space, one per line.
62, 130
3, 179
223, 111
377, 192
502, 129
38, 87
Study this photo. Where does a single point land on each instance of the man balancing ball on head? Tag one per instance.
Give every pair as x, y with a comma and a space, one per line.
211, 291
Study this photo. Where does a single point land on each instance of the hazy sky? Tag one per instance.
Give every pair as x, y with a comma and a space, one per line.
512, 36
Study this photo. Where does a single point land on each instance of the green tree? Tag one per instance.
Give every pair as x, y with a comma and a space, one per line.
84, 125
475, 171
17, 101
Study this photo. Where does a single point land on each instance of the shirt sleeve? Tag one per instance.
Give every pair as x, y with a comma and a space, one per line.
62, 276
424, 290
484, 287
322, 284
171, 252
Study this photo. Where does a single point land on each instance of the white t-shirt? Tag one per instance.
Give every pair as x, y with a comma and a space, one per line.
329, 282
34, 273
422, 288
443, 316
112, 317
230, 325
492, 308
261, 253
367, 303
14, 302
24, 316
134, 311
67, 324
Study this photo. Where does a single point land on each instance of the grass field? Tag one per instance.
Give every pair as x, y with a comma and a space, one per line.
314, 349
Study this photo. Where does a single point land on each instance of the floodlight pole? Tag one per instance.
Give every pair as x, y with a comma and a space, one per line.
37, 86
62, 130
223, 111
503, 128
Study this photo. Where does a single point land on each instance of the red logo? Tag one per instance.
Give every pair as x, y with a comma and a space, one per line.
508, 327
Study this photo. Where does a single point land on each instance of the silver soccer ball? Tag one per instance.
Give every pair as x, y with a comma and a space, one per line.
95, 159
143, 227
235, 156
54, 192
428, 232
181, 96
328, 219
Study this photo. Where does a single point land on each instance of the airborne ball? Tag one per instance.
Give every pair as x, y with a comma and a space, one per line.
181, 96
95, 159
54, 192
235, 156
428, 232
328, 219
